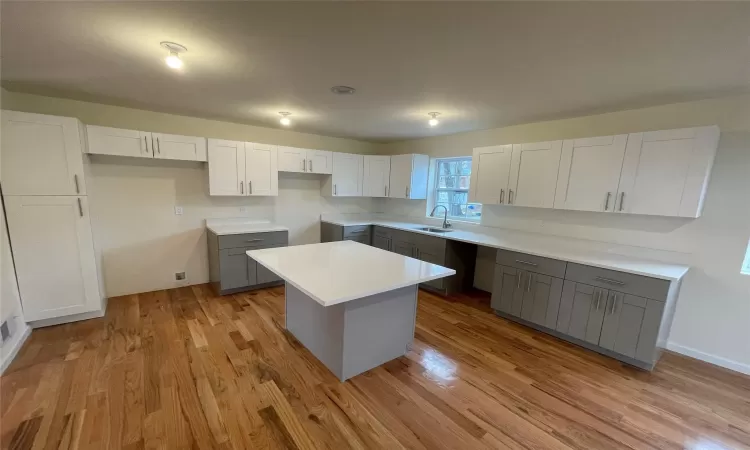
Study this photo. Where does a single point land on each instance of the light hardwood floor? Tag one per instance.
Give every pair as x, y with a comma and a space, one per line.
184, 368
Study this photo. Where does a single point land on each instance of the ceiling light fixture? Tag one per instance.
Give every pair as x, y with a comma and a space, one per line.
433, 122
173, 59
343, 90
285, 120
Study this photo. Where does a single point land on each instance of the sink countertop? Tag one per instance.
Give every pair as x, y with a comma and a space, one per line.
555, 247
341, 271
223, 227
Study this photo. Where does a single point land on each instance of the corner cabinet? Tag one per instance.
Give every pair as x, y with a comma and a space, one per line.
143, 144
346, 176
242, 169
409, 175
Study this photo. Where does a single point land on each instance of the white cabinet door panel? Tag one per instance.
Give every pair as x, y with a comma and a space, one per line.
261, 169
533, 174
54, 255
666, 172
41, 155
377, 171
319, 161
590, 173
119, 142
292, 159
409, 176
175, 146
347, 175
490, 173
226, 167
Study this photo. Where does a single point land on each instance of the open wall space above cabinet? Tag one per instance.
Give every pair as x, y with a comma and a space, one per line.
661, 173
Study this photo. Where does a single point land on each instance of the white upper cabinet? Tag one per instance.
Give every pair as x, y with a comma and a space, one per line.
226, 167
142, 144
533, 174
174, 146
490, 173
377, 172
53, 251
301, 160
590, 173
346, 177
319, 161
261, 170
667, 172
292, 159
119, 142
409, 175
41, 155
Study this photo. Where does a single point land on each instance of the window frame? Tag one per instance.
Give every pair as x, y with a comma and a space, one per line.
433, 190
745, 268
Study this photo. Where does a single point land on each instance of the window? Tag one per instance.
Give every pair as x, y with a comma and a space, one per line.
746, 264
451, 189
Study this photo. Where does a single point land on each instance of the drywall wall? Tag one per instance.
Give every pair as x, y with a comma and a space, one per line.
712, 321
141, 240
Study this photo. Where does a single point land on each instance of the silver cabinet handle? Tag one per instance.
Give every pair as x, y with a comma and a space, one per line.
303, 165
153, 147
334, 189
80, 207
158, 145
75, 180
254, 240
518, 280
311, 165
528, 263
250, 187
528, 284
598, 299
510, 196
622, 199
610, 281
614, 302
502, 195
145, 141
606, 202
242, 188
407, 191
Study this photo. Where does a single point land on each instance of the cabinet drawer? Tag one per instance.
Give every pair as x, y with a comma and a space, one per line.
538, 264
383, 232
254, 240
358, 230
619, 281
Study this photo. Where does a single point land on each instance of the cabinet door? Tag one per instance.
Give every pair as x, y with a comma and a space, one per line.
666, 172
381, 242
426, 255
504, 287
533, 174
261, 169
590, 173
226, 167
490, 173
403, 248
119, 142
41, 155
546, 292
53, 251
347, 175
409, 175
292, 159
236, 269
377, 172
586, 313
264, 275
622, 323
175, 146
319, 161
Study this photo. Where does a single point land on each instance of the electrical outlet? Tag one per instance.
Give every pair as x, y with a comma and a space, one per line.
179, 276
178, 210
5, 331
243, 209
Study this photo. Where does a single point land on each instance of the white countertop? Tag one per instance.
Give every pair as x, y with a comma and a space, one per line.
338, 272
565, 249
223, 227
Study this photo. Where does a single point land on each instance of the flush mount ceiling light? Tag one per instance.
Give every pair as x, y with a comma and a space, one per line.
173, 59
343, 90
433, 122
285, 120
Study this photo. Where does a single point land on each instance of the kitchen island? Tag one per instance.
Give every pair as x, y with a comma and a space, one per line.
353, 306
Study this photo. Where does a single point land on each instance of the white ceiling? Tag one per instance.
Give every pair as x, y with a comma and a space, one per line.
481, 65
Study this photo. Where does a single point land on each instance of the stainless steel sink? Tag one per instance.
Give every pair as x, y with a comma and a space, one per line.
435, 230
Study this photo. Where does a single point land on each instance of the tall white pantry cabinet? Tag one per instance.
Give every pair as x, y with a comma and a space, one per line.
43, 176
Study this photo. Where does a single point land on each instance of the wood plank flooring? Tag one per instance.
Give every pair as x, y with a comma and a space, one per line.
185, 369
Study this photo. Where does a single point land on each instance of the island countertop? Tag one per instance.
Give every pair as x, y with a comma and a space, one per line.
338, 272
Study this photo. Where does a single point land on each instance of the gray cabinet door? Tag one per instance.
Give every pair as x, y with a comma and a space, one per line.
546, 300
403, 248
581, 311
646, 349
381, 242
434, 259
236, 269
503, 288
264, 275
624, 322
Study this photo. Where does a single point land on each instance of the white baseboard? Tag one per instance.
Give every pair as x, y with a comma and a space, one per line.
66, 319
713, 359
14, 350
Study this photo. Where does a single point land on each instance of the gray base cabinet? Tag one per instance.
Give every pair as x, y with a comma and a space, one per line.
231, 270
622, 315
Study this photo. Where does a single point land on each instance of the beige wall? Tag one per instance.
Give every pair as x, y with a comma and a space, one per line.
142, 242
713, 316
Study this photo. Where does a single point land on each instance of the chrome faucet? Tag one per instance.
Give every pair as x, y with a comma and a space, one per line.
446, 224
